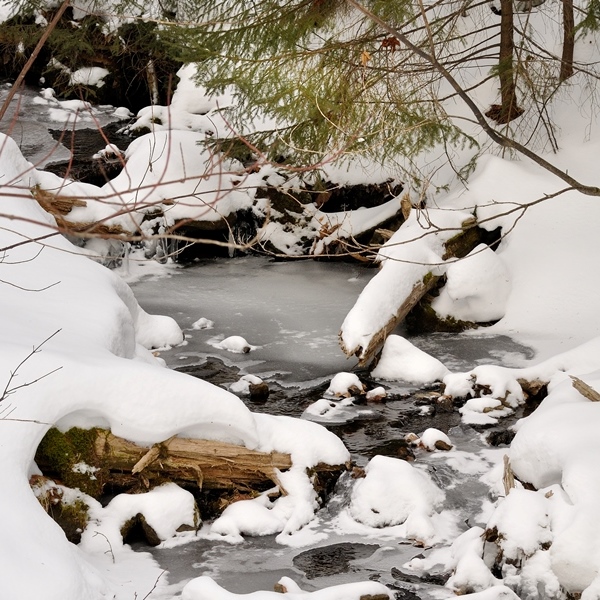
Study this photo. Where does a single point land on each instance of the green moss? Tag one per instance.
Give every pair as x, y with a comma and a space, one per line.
58, 453
427, 278
423, 319
462, 243
73, 518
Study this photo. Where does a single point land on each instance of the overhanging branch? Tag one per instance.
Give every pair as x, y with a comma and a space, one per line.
496, 136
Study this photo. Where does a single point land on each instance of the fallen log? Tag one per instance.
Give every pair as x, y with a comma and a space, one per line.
98, 462
419, 290
94, 459
457, 246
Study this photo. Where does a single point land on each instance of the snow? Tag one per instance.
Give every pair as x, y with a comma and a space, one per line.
393, 493
328, 411
477, 288
242, 386
203, 323
401, 360
89, 365
166, 508
413, 253
204, 588
430, 436
93, 76
237, 344
345, 384
248, 517
168, 166
91, 362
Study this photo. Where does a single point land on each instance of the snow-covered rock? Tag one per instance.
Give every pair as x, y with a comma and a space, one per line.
236, 344
394, 492
400, 360
434, 439
346, 385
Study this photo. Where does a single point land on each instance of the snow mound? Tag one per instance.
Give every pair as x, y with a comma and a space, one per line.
248, 517
165, 509
477, 288
400, 360
205, 588
236, 344
430, 439
203, 323
346, 385
394, 492
242, 386
328, 411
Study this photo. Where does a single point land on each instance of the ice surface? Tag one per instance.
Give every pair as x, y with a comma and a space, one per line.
292, 312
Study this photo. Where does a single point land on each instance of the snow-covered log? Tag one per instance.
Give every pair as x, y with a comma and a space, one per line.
92, 459
411, 263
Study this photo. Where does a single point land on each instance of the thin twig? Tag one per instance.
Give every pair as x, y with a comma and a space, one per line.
8, 390
154, 586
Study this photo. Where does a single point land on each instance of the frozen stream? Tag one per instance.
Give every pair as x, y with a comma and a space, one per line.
291, 312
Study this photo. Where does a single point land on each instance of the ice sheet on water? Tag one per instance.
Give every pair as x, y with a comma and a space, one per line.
291, 311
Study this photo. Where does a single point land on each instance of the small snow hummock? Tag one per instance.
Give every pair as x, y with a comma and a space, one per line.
92, 76
205, 588
338, 411
203, 323
393, 493
237, 344
242, 386
400, 360
345, 385
471, 573
248, 517
123, 112
376, 394
434, 439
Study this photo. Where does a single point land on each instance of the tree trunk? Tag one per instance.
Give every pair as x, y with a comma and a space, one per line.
566, 65
509, 109
457, 246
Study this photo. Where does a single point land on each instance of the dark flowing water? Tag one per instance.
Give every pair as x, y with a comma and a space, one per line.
291, 312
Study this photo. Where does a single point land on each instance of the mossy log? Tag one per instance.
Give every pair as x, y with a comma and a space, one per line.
95, 459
